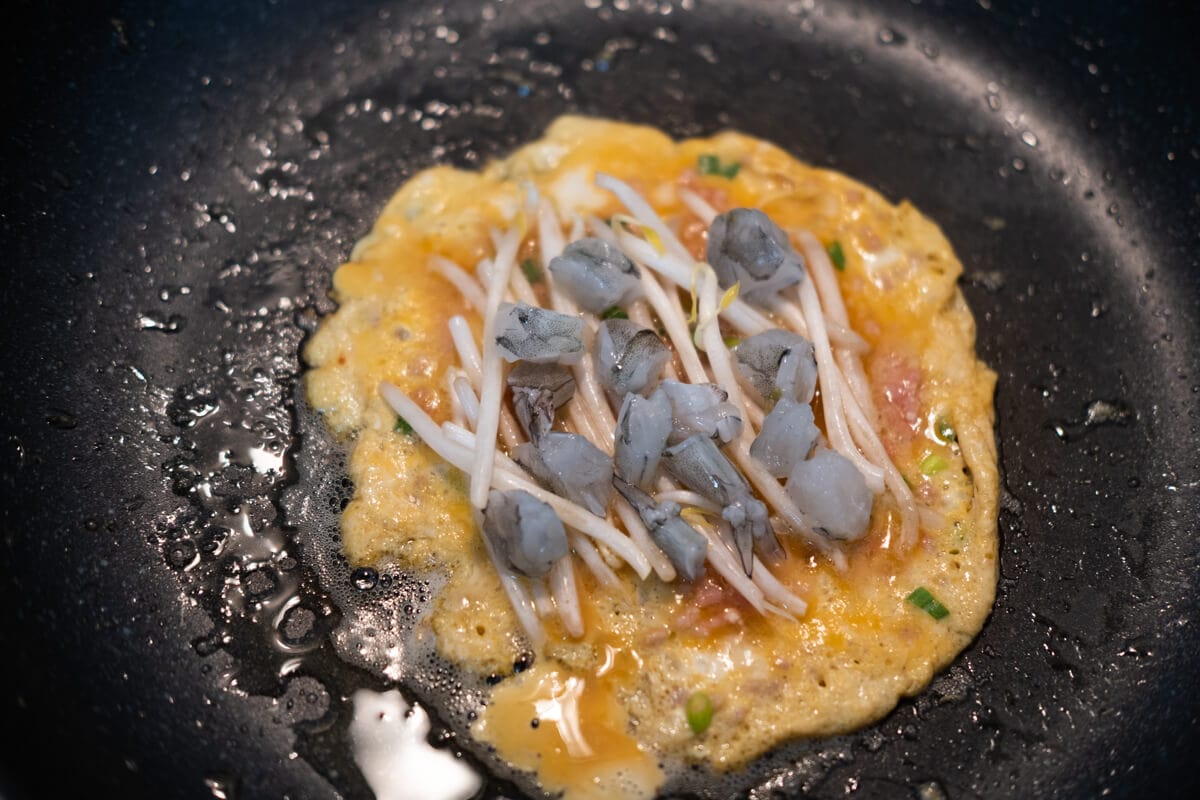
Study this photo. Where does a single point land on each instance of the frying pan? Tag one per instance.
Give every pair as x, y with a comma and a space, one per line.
180, 180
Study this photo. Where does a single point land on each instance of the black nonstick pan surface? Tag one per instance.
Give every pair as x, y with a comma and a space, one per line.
180, 180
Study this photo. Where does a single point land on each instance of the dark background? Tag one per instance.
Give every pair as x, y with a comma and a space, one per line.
180, 180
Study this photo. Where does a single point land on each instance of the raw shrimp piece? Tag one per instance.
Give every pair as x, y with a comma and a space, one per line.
746, 247
778, 364
571, 466
527, 333
788, 434
701, 408
833, 492
539, 390
643, 426
524, 531
703, 468
629, 358
684, 545
596, 275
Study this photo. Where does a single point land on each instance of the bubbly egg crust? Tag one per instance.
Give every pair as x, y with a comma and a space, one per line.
647, 648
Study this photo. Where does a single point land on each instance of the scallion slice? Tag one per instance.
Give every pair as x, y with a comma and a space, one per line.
944, 430
402, 426
699, 710
923, 599
532, 273
709, 164
614, 312
837, 256
932, 464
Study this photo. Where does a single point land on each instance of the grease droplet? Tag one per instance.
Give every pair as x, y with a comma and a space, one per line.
1096, 414
157, 322
61, 419
365, 578
931, 790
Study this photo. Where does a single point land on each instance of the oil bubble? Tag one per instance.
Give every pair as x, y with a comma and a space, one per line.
365, 578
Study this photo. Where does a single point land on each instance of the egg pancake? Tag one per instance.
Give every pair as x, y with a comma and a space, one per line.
671, 673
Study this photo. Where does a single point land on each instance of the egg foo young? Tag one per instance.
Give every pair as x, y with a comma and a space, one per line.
698, 427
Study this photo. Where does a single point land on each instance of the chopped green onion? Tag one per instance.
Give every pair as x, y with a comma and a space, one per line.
709, 164
932, 464
532, 273
944, 430
402, 426
457, 480
614, 312
837, 256
732, 341
923, 599
699, 712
